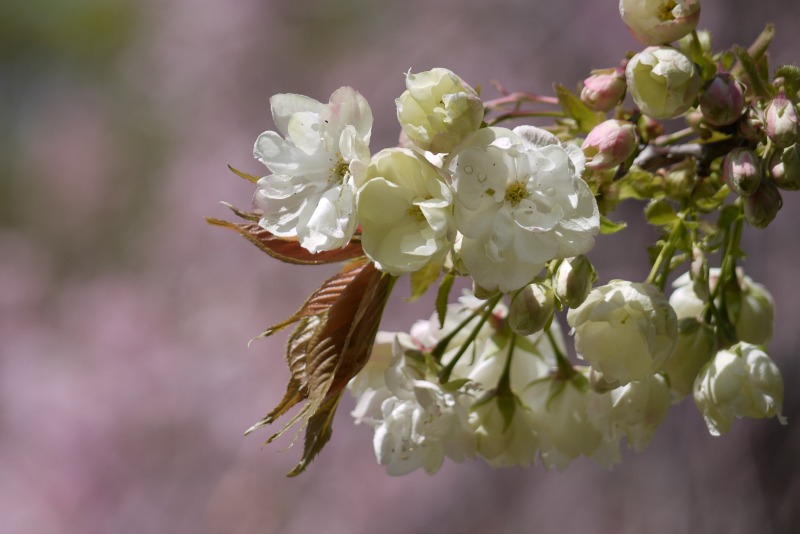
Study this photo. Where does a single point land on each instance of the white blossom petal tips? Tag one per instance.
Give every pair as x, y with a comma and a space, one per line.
316, 167
741, 381
520, 202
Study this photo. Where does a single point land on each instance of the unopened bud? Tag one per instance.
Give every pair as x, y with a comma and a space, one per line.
574, 280
609, 144
663, 81
658, 22
761, 207
680, 178
785, 168
722, 101
531, 309
697, 343
741, 170
604, 89
781, 121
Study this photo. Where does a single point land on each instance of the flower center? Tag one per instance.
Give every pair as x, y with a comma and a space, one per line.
665, 10
339, 169
416, 212
515, 193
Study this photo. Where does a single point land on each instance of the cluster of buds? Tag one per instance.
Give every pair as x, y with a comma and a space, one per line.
516, 211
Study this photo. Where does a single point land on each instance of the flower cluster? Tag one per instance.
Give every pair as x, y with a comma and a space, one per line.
515, 211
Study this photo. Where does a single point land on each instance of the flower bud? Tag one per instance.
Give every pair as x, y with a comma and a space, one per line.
531, 309
604, 89
785, 168
697, 343
438, 110
609, 144
655, 22
741, 381
663, 81
761, 207
741, 170
781, 121
574, 280
624, 329
722, 101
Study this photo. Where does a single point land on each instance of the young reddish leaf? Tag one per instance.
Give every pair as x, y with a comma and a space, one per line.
332, 343
289, 250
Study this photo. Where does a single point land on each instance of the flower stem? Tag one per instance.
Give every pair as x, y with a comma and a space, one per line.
444, 375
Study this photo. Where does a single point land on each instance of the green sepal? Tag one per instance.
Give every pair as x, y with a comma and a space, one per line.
791, 80
585, 118
423, 279
442, 295
455, 385
607, 226
240, 174
659, 212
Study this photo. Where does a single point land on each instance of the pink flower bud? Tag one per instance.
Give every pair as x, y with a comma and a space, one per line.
742, 171
609, 144
722, 101
781, 121
761, 207
785, 168
604, 89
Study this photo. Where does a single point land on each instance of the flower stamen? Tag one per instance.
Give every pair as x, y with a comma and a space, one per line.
515, 193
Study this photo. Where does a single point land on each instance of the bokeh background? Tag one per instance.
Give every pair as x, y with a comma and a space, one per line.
125, 376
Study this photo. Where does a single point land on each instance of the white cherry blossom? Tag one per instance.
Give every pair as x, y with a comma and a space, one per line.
520, 202
317, 159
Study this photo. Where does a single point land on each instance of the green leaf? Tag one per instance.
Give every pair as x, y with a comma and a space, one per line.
791, 79
727, 59
574, 108
423, 279
659, 212
607, 226
759, 86
443, 295
455, 385
699, 51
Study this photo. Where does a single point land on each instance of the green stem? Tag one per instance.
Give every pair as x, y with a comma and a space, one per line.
660, 271
673, 137
441, 346
504, 386
565, 370
444, 375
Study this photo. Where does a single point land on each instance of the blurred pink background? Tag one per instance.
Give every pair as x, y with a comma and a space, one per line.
125, 377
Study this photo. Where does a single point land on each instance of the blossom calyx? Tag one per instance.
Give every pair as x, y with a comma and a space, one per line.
604, 89
741, 170
608, 144
655, 22
741, 381
625, 329
662, 81
438, 110
780, 121
722, 100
